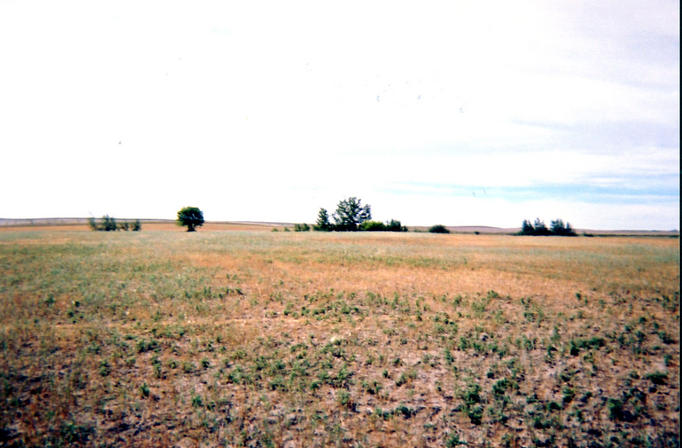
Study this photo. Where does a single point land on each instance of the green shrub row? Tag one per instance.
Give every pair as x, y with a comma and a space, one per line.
109, 224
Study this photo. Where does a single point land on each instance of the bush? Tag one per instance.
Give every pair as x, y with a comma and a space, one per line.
438, 228
373, 226
395, 226
301, 227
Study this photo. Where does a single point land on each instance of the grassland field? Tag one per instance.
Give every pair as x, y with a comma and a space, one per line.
240, 337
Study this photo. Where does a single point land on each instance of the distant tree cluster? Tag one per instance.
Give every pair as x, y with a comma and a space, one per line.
352, 216
557, 228
108, 224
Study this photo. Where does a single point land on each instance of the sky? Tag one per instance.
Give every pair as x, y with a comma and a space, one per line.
454, 112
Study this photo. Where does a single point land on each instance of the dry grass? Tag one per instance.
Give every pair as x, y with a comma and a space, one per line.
247, 338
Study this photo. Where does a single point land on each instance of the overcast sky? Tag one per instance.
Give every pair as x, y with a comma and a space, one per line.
460, 113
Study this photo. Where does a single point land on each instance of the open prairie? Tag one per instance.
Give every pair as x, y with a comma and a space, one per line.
252, 338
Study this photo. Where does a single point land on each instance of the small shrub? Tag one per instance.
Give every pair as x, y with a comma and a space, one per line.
344, 399
665, 337
197, 402
188, 367
372, 387
475, 414
453, 441
615, 408
405, 411
657, 377
501, 386
568, 395
104, 368
73, 433
471, 394
144, 345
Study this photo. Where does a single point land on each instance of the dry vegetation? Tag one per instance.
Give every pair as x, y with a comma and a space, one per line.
247, 338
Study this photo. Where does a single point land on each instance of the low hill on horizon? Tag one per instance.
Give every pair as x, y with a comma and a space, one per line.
67, 221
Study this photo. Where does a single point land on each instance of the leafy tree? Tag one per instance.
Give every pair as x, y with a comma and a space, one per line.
350, 213
137, 226
191, 217
323, 223
438, 228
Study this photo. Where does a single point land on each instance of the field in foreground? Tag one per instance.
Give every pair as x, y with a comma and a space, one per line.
246, 338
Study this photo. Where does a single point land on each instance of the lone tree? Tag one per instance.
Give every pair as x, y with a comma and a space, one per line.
350, 213
191, 217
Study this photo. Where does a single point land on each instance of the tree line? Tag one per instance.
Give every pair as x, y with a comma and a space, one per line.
352, 216
557, 228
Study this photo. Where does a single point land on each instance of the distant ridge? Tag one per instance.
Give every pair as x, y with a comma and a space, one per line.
489, 230
11, 222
